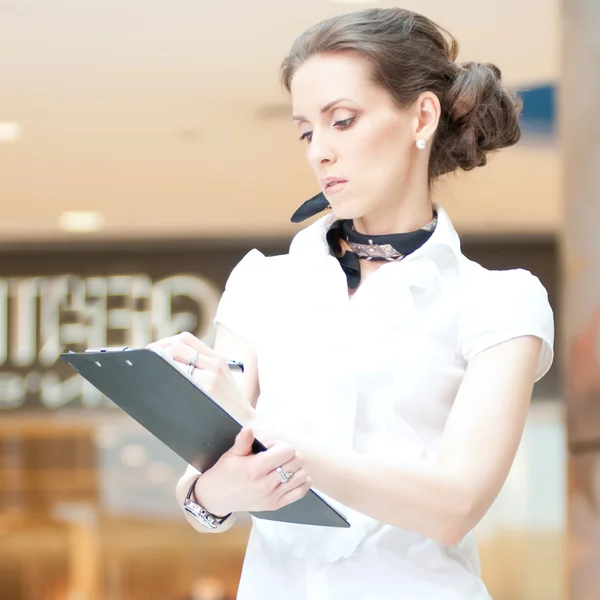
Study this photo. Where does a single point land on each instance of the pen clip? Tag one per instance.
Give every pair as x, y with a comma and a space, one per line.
235, 365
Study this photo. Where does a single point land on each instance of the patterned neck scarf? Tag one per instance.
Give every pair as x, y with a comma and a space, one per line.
349, 246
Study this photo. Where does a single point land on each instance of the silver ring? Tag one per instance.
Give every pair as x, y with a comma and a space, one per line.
285, 477
194, 358
192, 364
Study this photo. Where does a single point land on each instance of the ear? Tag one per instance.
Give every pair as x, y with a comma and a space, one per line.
427, 110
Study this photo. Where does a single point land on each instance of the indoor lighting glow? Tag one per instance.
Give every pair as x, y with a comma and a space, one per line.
81, 221
107, 436
134, 455
159, 472
10, 131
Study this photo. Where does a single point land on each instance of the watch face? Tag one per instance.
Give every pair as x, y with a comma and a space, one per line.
201, 514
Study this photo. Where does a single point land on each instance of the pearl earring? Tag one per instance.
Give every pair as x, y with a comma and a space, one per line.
421, 144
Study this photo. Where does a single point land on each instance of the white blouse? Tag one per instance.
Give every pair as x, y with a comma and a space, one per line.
378, 373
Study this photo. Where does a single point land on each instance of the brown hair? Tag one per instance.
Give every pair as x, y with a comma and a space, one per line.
410, 55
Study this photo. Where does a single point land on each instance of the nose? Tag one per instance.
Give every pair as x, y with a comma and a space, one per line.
320, 150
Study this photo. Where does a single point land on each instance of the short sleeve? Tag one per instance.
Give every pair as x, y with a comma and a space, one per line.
502, 305
240, 306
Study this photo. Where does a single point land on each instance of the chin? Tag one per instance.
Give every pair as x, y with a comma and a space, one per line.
346, 211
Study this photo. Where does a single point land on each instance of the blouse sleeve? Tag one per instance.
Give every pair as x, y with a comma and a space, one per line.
506, 305
240, 306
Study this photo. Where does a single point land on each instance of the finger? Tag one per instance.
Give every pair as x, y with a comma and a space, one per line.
292, 466
208, 363
243, 443
167, 341
274, 457
185, 338
180, 352
275, 480
185, 353
162, 343
197, 344
296, 478
295, 494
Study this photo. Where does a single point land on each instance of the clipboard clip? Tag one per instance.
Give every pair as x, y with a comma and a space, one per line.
232, 365
109, 349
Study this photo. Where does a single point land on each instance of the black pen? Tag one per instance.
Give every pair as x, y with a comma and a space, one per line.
235, 365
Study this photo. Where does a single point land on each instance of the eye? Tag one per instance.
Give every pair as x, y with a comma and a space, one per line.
344, 124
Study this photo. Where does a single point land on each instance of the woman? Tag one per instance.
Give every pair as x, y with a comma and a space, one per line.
395, 374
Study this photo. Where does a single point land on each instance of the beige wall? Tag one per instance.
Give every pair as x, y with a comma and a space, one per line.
172, 122
187, 192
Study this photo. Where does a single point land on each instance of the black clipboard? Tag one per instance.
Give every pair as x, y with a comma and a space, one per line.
171, 406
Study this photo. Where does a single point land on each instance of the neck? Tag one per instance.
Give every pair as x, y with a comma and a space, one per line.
408, 208
406, 218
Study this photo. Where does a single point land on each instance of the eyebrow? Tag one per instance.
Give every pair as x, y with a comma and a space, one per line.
325, 108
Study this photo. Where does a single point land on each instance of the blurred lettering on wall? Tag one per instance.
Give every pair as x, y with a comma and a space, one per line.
70, 303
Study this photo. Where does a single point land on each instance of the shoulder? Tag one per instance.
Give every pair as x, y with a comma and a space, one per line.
256, 268
479, 283
501, 305
244, 304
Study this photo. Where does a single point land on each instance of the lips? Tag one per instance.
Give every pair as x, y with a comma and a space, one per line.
334, 186
331, 182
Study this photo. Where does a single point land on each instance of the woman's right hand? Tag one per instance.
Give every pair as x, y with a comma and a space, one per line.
242, 481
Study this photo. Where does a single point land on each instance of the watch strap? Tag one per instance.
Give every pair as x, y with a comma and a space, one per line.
199, 512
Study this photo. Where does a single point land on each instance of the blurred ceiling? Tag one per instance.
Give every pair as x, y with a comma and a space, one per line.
168, 119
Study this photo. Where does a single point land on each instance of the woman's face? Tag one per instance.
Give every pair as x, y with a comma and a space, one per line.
358, 142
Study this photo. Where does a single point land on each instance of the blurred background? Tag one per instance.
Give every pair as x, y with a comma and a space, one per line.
144, 148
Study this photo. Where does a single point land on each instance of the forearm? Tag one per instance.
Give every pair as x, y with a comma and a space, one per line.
183, 486
434, 500
428, 499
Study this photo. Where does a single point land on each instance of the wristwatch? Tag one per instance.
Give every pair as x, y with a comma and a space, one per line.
199, 513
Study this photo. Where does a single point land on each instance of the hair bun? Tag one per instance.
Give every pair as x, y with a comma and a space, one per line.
409, 55
482, 117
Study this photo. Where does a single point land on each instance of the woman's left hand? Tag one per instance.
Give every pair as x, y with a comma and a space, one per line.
211, 372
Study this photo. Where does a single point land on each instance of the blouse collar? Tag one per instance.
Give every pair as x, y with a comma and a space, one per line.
442, 244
